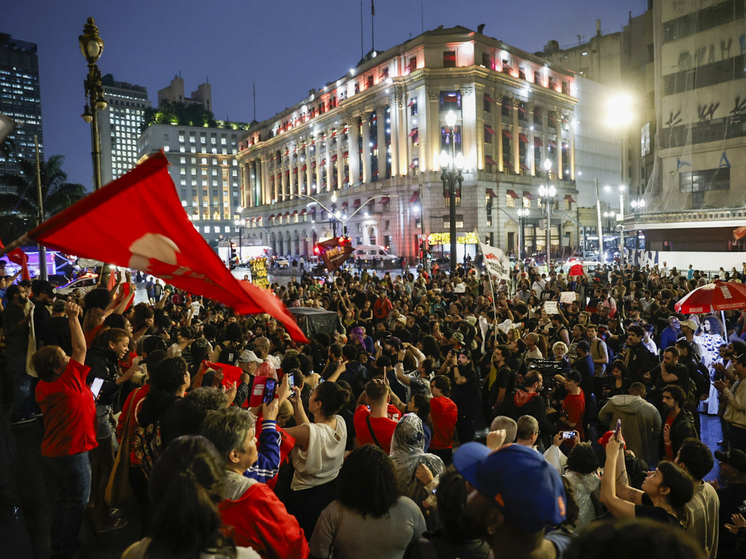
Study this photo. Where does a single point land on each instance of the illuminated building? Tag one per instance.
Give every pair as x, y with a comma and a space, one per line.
379, 131
20, 100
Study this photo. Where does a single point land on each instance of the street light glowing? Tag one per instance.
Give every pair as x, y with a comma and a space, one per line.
620, 110
445, 159
334, 197
459, 161
548, 165
451, 119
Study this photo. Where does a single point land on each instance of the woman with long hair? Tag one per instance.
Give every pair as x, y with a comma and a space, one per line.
369, 518
318, 453
664, 494
419, 404
186, 486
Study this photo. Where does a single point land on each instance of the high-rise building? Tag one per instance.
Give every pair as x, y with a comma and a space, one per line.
120, 125
367, 146
203, 166
174, 93
20, 99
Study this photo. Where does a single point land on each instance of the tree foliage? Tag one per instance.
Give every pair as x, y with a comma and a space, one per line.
20, 210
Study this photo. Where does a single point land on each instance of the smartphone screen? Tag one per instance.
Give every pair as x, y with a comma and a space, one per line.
618, 427
270, 385
96, 386
291, 380
568, 435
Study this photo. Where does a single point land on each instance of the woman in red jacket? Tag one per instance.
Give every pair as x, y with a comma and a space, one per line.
444, 414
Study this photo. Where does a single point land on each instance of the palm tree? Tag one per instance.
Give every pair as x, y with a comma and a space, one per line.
57, 194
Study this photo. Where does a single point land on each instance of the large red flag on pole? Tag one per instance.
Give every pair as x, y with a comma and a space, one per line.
138, 222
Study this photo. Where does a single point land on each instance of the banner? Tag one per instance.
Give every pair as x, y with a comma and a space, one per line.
259, 272
643, 258
335, 252
498, 265
138, 222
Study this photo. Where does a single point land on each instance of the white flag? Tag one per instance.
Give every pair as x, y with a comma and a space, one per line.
498, 265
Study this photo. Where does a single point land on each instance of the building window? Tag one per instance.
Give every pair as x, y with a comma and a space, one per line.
487, 104
450, 101
487, 60
509, 201
369, 82
412, 64
526, 202
449, 59
415, 135
704, 181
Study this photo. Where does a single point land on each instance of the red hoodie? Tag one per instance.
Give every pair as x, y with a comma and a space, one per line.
258, 519
444, 413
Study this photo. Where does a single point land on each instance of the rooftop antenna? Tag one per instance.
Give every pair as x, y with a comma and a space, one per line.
372, 26
254, 88
362, 46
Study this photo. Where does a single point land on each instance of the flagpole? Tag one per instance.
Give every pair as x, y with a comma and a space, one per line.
372, 25
40, 219
362, 44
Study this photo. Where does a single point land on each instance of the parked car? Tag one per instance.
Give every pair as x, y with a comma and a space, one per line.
84, 284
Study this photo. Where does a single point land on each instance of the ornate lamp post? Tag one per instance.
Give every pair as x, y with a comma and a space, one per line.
451, 165
91, 45
547, 194
523, 214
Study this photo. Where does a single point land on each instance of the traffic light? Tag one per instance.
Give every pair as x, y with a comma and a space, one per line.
234, 255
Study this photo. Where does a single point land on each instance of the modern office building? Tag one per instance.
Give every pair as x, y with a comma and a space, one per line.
20, 100
120, 125
204, 169
368, 146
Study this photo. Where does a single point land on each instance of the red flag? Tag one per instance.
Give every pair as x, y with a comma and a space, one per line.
739, 233
19, 257
335, 251
138, 222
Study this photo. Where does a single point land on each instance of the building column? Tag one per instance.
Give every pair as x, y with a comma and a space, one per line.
402, 135
499, 131
381, 141
283, 182
516, 140
545, 134
264, 177
301, 174
340, 158
316, 156
472, 129
558, 129
352, 149
328, 157
309, 170
430, 152
366, 147
571, 150
530, 149
395, 105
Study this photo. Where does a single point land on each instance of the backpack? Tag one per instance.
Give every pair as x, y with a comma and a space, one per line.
229, 355
701, 378
692, 393
147, 445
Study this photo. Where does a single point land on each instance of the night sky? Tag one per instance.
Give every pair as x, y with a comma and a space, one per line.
286, 46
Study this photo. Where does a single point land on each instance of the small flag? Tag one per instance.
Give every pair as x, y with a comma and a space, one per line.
17, 256
724, 163
739, 233
680, 164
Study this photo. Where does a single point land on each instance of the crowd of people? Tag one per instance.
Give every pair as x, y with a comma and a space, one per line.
445, 415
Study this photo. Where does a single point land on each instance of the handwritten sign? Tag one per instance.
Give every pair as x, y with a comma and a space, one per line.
568, 297
551, 307
259, 272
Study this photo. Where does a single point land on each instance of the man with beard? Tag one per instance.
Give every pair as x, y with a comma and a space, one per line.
510, 516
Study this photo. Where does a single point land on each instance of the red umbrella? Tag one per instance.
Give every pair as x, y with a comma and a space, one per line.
717, 296
576, 270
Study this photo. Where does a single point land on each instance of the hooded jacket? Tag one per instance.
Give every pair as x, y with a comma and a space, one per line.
641, 422
529, 403
255, 517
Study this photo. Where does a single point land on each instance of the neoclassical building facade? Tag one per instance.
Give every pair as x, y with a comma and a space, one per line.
363, 153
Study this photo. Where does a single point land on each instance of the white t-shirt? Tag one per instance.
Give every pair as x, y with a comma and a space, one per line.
138, 549
323, 459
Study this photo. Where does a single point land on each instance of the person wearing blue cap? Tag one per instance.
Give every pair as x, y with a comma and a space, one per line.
515, 496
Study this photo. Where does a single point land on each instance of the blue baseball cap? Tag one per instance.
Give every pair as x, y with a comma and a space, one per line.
525, 487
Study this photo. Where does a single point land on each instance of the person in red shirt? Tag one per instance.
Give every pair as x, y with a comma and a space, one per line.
67, 405
372, 422
444, 414
251, 513
382, 307
573, 406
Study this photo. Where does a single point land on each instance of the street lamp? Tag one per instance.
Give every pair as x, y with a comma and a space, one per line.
522, 216
91, 45
547, 194
239, 223
451, 165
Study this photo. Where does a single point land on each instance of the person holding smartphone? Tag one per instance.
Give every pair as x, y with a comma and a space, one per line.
69, 413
